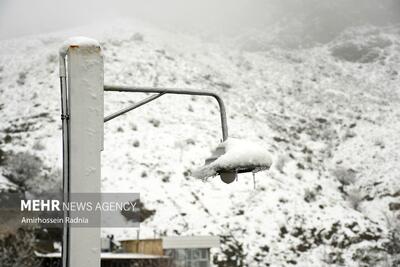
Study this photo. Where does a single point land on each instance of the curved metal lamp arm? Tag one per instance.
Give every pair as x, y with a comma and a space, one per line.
161, 91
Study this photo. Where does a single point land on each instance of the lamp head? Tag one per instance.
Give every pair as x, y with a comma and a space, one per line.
228, 176
232, 157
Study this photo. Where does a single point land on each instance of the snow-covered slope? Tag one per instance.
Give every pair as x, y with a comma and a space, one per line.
330, 119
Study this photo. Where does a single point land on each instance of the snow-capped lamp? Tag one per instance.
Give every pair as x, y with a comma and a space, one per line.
234, 156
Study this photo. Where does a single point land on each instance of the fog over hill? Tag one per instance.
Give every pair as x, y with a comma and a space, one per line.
314, 20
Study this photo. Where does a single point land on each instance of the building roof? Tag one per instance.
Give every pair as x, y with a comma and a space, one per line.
175, 242
141, 239
108, 256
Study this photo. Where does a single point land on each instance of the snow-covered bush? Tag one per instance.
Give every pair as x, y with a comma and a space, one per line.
38, 146
21, 167
333, 257
355, 53
355, 197
3, 156
17, 249
141, 215
392, 245
137, 37
365, 45
344, 176
232, 254
21, 78
280, 163
47, 182
310, 195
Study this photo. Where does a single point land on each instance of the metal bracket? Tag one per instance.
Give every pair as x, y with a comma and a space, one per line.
161, 91
132, 107
64, 117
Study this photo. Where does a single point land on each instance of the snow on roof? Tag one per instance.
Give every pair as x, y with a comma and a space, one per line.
173, 242
141, 239
106, 255
237, 154
79, 41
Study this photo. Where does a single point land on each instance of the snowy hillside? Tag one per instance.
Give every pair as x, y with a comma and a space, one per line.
329, 115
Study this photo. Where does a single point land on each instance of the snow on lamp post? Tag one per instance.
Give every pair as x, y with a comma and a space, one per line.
234, 156
82, 103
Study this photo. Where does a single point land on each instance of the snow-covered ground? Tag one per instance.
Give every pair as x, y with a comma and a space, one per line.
329, 116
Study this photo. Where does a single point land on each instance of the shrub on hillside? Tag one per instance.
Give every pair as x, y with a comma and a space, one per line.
17, 249
140, 213
355, 53
22, 167
3, 157
232, 253
355, 197
392, 245
362, 46
344, 176
45, 183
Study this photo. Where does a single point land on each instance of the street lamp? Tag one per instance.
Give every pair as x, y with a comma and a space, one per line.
82, 114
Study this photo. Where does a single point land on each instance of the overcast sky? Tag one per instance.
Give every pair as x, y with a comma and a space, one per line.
23, 17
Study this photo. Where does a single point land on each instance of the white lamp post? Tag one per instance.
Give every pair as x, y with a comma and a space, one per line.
81, 75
